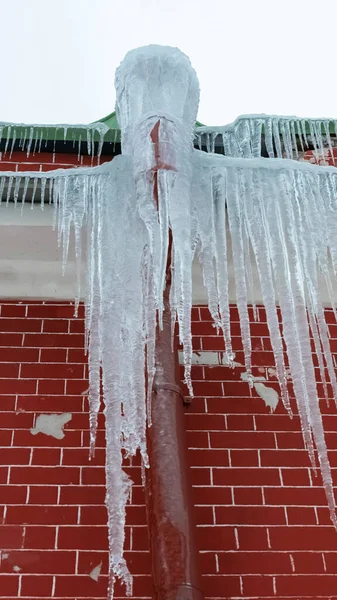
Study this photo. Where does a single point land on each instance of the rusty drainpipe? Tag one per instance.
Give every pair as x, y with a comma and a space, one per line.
168, 491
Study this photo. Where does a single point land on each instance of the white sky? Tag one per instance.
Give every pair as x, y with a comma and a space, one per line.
58, 57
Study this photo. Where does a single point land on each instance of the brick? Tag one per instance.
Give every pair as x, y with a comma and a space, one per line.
304, 515
50, 386
25, 438
51, 371
311, 562
216, 538
244, 458
82, 495
239, 404
18, 386
15, 456
206, 388
200, 476
205, 422
52, 355
247, 496
274, 422
12, 339
93, 515
76, 326
45, 475
40, 515
55, 326
216, 584
39, 538
76, 355
20, 325
290, 439
9, 585
51, 311
85, 538
46, 562
9, 370
140, 538
80, 456
3, 474
240, 422
13, 310
303, 538
93, 476
197, 439
51, 340
252, 538
257, 585
7, 403
50, 404
246, 476
13, 494
29, 586
5, 437
250, 515
212, 495
298, 496
15, 420
207, 457
46, 456
307, 584
76, 386
249, 439
284, 458
10, 537
295, 477
42, 494
254, 562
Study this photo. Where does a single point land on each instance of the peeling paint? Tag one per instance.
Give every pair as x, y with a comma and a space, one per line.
16, 569
95, 573
209, 358
51, 425
268, 394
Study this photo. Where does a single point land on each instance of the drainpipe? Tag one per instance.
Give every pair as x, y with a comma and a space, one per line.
168, 491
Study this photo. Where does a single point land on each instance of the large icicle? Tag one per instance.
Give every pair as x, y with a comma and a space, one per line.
285, 209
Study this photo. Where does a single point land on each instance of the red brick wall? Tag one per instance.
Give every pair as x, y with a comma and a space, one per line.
263, 527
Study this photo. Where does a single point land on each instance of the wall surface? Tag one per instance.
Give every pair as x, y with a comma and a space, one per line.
263, 527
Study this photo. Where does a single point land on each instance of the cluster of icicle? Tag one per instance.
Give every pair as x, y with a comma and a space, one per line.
33, 139
279, 137
273, 217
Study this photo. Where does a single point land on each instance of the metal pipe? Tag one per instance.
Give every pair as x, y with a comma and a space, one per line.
168, 491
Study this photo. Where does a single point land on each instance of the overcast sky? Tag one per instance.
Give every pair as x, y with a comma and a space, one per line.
59, 56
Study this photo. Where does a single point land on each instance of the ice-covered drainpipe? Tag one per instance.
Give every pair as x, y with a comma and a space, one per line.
168, 492
157, 97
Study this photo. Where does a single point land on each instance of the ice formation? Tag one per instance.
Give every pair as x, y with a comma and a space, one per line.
277, 213
33, 139
252, 136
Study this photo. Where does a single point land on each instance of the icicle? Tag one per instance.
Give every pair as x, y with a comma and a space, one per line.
13, 144
43, 190
16, 190
2, 187
34, 192
9, 188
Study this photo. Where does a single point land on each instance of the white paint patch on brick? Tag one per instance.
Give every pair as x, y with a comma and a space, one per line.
16, 569
209, 358
51, 425
268, 394
95, 573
